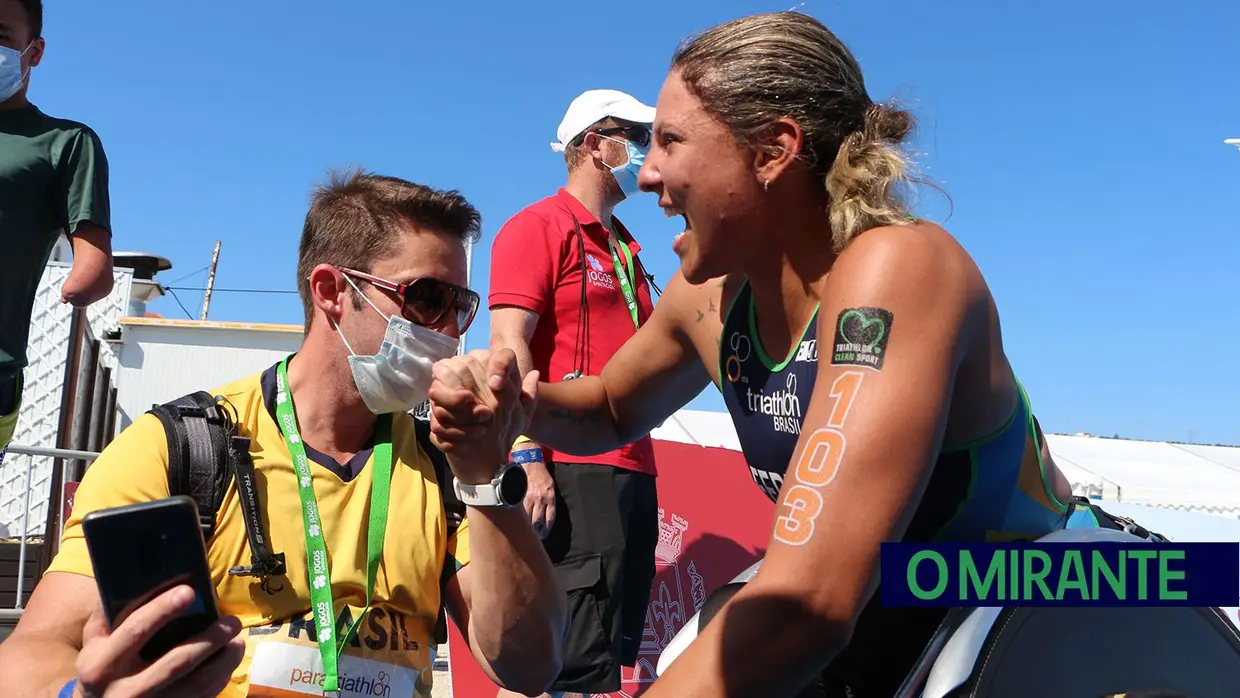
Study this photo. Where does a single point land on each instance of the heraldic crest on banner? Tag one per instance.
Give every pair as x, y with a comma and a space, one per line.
667, 612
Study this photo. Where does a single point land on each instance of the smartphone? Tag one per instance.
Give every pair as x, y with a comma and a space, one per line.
141, 550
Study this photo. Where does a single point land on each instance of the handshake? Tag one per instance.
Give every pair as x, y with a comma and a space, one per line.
479, 405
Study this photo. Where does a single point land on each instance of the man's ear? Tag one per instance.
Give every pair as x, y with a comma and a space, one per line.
778, 147
593, 144
34, 54
329, 291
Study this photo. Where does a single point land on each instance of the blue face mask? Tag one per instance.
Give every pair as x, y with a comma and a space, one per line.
626, 174
11, 75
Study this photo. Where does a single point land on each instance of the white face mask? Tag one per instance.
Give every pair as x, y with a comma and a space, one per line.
398, 378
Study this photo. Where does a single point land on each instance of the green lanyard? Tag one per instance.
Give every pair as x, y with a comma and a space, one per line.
628, 282
320, 577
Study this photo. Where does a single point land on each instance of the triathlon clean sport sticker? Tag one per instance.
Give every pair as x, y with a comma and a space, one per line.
861, 336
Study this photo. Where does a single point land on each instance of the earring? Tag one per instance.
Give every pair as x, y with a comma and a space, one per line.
766, 185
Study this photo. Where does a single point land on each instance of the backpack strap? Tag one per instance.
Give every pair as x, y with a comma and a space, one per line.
263, 562
454, 510
203, 453
197, 429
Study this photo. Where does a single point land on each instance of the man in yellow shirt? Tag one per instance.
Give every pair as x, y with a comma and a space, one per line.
382, 276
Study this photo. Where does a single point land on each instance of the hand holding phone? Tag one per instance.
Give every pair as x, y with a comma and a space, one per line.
110, 663
157, 630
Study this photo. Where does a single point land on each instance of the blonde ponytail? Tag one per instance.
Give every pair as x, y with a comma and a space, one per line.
867, 181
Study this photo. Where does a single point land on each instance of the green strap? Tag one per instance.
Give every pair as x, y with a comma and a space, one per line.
321, 603
628, 282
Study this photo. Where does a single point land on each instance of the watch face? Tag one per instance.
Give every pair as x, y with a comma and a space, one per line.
512, 486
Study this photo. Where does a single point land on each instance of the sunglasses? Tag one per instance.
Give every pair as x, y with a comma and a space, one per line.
638, 134
427, 301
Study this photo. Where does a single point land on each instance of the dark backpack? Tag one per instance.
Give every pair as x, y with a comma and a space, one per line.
205, 452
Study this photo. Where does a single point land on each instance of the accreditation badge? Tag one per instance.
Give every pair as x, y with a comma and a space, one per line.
381, 661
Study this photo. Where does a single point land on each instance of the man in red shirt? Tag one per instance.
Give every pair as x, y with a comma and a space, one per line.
567, 291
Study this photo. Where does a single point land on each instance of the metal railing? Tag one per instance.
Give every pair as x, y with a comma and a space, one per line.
85, 425
66, 457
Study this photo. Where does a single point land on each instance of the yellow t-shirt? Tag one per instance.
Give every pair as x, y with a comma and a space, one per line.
390, 654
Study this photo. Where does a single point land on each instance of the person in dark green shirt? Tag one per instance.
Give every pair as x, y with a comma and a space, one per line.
53, 180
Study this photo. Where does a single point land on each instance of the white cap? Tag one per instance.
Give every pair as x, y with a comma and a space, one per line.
593, 106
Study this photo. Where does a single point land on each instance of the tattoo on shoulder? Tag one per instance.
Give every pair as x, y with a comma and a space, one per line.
577, 417
861, 336
711, 311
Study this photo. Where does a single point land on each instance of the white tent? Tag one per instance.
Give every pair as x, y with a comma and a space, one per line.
1194, 478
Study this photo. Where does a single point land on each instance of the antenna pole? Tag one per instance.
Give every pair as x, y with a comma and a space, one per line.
206, 298
469, 277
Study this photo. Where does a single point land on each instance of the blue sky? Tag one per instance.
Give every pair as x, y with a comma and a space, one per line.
1081, 144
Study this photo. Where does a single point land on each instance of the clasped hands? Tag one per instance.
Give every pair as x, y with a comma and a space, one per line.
479, 406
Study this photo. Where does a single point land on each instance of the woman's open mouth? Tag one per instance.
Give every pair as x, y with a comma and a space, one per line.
681, 237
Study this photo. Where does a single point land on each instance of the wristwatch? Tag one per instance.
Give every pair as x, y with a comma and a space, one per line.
506, 489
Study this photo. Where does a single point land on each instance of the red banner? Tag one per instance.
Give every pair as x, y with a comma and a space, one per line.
714, 522
70, 490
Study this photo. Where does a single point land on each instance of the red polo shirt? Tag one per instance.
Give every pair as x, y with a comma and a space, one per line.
536, 264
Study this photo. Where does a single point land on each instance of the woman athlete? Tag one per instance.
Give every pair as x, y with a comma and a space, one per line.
858, 351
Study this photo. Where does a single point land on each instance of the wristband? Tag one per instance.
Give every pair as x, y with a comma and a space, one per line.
527, 455
67, 690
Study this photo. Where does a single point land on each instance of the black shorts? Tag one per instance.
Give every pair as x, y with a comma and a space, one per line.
10, 408
10, 394
602, 546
